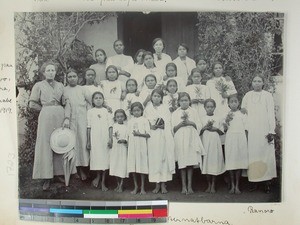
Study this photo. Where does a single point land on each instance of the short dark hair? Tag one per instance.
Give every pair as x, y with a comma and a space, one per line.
120, 111
184, 94
159, 39
183, 45
136, 104
134, 80
209, 100
96, 93
111, 66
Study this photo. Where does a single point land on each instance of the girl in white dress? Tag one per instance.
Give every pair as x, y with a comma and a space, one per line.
145, 95
99, 138
137, 68
138, 132
183, 62
171, 73
77, 100
131, 96
261, 130
161, 143
213, 161
160, 59
99, 67
90, 84
220, 88
118, 154
236, 152
112, 88
123, 63
151, 68
188, 146
171, 99
198, 92
202, 65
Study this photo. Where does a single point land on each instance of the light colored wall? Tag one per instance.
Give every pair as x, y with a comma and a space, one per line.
101, 35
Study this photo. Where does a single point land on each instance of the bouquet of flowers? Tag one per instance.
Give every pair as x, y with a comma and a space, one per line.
185, 116
210, 123
270, 138
172, 102
116, 135
228, 118
135, 127
198, 92
101, 85
222, 87
113, 90
128, 104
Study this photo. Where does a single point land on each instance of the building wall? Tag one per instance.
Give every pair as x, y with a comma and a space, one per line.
100, 35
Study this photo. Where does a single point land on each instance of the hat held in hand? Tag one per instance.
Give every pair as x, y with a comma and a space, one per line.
62, 140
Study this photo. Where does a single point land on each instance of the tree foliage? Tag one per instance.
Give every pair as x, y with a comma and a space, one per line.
243, 42
48, 36
44, 36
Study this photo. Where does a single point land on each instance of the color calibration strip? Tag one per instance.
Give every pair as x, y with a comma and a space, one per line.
93, 212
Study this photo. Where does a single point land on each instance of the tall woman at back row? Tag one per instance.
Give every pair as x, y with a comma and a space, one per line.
183, 62
160, 59
259, 105
46, 97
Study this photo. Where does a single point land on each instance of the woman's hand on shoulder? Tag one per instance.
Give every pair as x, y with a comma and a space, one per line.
153, 127
228, 78
244, 111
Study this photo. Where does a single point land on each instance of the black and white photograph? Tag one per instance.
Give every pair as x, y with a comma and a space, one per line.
132, 106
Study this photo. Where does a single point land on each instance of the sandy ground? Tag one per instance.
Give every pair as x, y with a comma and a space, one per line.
79, 190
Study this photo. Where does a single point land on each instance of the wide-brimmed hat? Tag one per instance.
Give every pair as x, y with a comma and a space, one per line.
62, 140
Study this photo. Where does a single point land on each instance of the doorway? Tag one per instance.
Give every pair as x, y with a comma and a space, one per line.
138, 30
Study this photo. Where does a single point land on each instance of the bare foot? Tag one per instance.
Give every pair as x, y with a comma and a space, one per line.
117, 188
60, 179
134, 192
95, 182
120, 189
190, 190
164, 189
157, 188
184, 190
237, 191
212, 190
208, 190
231, 191
83, 175
104, 188
46, 185
143, 192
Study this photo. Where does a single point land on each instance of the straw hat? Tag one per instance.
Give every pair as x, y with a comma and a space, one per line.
62, 140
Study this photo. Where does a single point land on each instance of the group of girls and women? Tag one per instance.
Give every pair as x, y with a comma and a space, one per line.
139, 118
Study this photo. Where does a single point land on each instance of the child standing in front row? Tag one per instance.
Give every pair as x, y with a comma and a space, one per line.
118, 155
99, 132
161, 143
137, 160
236, 151
188, 146
213, 161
